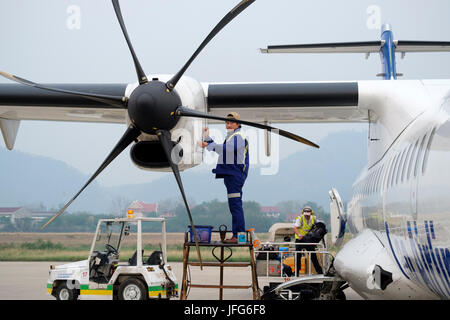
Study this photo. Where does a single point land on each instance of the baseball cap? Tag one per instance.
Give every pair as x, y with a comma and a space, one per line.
233, 115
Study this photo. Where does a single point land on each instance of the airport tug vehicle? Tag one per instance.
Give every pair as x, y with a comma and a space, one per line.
104, 276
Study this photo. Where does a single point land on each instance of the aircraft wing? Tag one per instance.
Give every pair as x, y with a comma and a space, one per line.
422, 46
19, 102
284, 102
277, 102
338, 47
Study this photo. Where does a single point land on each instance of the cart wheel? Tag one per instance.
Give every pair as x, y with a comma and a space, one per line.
132, 289
64, 293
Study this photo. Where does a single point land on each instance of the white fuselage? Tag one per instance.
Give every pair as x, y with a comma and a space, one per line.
400, 206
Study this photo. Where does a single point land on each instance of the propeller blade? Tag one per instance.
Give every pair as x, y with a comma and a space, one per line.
241, 6
111, 100
129, 136
164, 138
140, 72
186, 112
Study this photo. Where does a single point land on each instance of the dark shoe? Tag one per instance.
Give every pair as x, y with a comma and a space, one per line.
231, 241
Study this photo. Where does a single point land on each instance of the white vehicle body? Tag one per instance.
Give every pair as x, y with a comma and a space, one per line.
79, 276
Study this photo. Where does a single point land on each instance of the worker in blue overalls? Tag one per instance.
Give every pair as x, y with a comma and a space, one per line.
232, 166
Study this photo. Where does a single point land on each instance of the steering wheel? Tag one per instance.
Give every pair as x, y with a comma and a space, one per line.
110, 248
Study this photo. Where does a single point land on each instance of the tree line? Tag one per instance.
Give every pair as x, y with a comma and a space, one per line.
211, 213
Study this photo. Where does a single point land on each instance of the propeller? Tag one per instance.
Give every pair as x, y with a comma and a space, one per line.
129, 136
110, 100
186, 112
142, 78
241, 6
166, 142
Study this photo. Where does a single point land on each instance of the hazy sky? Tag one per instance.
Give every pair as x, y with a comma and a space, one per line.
61, 41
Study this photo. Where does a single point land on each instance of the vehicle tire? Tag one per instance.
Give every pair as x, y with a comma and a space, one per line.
64, 293
132, 289
341, 296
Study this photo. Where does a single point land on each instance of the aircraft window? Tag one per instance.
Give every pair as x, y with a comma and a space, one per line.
380, 178
375, 182
405, 163
419, 153
383, 180
427, 150
388, 172
401, 164
411, 159
394, 169
392, 173
377, 188
372, 181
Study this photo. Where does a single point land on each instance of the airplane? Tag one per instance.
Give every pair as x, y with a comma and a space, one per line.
398, 212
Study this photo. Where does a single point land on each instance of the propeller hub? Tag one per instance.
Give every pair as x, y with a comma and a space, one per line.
151, 107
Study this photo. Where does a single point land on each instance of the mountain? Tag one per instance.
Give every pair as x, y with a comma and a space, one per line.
30, 180
307, 175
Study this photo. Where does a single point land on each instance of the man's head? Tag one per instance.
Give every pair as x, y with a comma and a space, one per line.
307, 211
230, 125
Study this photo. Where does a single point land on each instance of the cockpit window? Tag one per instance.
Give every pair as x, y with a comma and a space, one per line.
411, 159
401, 165
419, 153
405, 164
427, 151
394, 167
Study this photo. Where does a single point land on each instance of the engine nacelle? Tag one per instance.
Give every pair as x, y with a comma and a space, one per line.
151, 155
148, 153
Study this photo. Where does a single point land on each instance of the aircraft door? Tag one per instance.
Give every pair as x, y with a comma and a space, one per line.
338, 218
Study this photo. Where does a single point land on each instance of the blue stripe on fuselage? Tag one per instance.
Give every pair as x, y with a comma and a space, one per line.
420, 260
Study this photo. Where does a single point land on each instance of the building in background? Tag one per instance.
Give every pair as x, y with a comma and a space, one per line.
142, 209
272, 212
14, 213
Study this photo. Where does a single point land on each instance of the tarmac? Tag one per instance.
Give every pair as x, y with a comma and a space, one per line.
27, 281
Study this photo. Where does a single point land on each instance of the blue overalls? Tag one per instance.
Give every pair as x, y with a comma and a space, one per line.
232, 166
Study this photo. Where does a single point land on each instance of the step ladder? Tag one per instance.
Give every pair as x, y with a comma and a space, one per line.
221, 263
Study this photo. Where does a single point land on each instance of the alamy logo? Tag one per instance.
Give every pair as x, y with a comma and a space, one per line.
374, 19
73, 21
